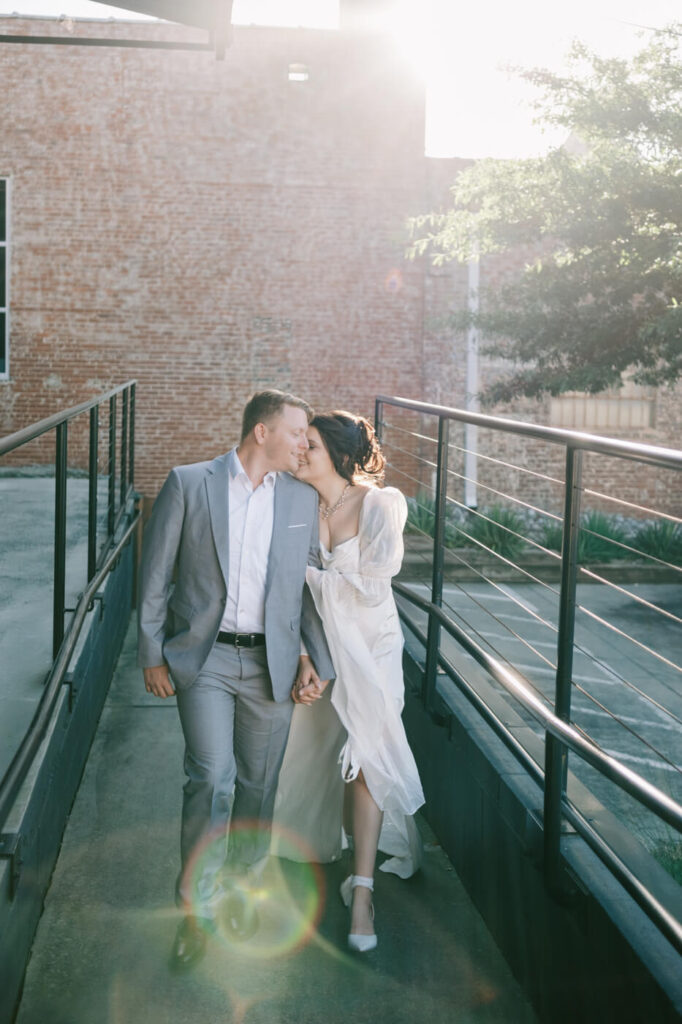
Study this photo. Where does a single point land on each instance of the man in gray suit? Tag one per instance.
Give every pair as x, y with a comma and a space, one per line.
238, 533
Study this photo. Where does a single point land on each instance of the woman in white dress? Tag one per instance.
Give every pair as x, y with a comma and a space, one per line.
353, 733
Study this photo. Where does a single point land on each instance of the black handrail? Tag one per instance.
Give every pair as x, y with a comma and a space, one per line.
64, 640
476, 700
21, 762
560, 734
668, 458
12, 441
659, 914
517, 685
60, 424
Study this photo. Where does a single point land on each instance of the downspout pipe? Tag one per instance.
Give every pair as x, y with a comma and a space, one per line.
471, 403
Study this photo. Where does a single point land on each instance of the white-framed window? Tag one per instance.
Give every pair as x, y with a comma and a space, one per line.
631, 407
4, 278
298, 73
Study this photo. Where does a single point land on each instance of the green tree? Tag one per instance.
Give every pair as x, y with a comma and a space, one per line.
603, 218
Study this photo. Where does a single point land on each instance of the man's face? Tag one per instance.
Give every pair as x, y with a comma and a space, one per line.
286, 439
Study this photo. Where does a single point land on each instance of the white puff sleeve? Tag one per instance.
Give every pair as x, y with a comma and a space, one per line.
381, 550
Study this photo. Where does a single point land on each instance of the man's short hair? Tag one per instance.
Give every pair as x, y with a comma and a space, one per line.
264, 405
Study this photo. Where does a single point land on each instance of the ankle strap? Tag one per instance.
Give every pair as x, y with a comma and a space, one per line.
367, 883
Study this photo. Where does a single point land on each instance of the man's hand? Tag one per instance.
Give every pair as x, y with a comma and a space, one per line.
308, 686
158, 682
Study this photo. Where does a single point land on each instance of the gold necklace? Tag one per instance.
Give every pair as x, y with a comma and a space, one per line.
328, 510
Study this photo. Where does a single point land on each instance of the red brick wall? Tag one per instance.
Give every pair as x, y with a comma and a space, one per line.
209, 228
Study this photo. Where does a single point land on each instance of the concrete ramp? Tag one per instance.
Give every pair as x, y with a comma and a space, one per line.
101, 951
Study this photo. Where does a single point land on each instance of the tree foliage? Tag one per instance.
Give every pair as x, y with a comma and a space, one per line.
603, 218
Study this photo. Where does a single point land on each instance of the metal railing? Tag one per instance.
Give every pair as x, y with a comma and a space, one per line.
116, 503
421, 457
100, 559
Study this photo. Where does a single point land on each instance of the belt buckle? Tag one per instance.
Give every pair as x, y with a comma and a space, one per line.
242, 640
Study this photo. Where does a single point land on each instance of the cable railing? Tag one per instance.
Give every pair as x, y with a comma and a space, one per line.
572, 739
103, 552
554, 599
120, 479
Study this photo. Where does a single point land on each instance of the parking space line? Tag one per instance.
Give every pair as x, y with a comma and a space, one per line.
627, 718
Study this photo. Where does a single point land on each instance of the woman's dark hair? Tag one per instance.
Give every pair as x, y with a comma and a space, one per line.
351, 443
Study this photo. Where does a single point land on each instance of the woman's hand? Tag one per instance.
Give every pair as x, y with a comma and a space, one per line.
305, 694
308, 686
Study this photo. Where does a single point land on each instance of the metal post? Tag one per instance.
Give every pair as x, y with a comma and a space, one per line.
92, 491
131, 438
112, 466
58, 601
433, 634
472, 388
378, 412
124, 446
556, 752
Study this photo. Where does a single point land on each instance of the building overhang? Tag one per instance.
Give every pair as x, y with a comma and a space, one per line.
213, 16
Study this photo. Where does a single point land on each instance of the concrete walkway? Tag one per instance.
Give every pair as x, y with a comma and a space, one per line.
101, 949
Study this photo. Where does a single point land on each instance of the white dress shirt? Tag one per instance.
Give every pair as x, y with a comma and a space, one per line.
251, 515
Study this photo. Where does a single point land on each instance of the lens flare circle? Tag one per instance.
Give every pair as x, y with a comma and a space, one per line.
393, 282
287, 897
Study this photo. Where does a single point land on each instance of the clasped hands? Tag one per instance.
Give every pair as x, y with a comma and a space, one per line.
308, 686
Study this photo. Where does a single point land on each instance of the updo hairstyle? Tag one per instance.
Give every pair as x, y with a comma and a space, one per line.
352, 445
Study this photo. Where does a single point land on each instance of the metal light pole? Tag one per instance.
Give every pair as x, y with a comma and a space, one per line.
471, 396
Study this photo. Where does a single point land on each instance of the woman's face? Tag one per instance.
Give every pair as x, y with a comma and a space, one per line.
314, 464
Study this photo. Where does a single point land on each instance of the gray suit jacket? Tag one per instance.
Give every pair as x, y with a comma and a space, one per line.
189, 529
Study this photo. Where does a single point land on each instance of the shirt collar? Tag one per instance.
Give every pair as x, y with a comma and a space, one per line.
237, 471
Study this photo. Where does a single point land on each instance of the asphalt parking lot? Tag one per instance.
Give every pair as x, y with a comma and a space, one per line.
625, 698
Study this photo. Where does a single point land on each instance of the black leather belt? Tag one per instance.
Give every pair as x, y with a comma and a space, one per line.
242, 639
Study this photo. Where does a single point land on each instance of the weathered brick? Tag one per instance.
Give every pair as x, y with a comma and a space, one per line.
210, 228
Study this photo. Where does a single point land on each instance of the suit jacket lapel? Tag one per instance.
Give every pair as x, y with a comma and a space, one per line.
283, 495
218, 490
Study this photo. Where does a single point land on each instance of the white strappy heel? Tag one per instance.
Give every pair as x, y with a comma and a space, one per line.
358, 943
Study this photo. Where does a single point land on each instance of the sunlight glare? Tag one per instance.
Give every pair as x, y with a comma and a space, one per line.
476, 105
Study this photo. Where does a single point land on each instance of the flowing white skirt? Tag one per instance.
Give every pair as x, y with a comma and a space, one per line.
357, 725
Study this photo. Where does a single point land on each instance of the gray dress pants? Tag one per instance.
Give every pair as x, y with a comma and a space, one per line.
235, 736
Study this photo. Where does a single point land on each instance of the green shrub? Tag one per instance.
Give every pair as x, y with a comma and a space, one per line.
596, 546
421, 518
495, 535
551, 535
662, 539
421, 514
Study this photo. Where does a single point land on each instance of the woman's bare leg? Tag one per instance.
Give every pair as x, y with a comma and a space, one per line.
367, 820
348, 810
